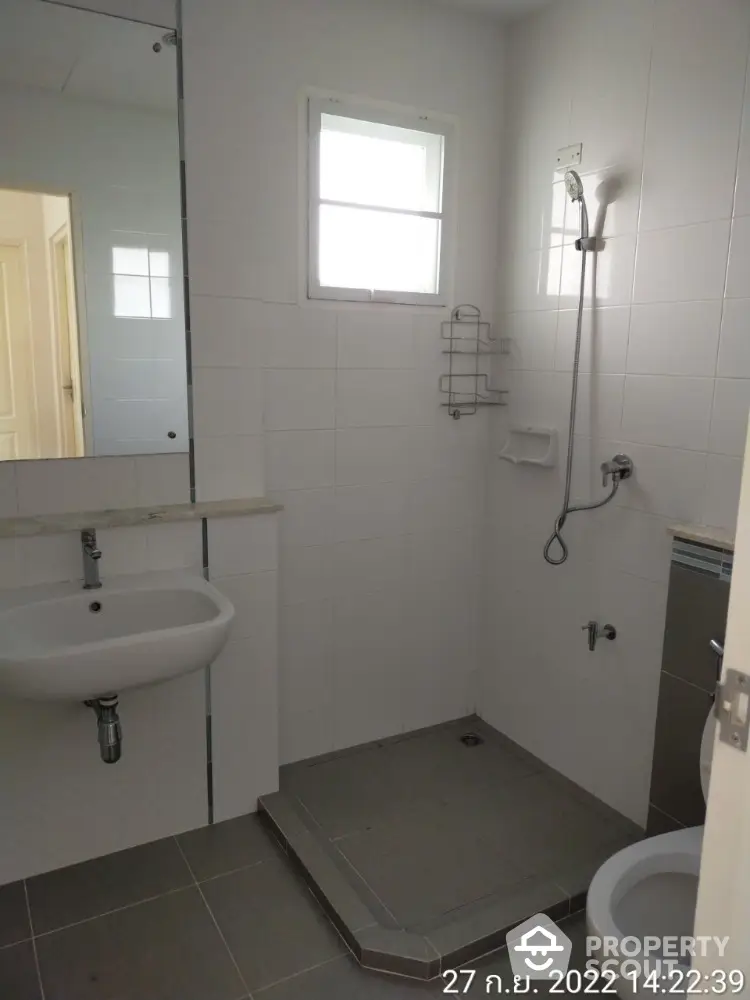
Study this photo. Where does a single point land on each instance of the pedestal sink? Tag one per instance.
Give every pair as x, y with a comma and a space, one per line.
62, 643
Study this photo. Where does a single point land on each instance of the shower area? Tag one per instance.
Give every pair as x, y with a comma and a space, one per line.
425, 849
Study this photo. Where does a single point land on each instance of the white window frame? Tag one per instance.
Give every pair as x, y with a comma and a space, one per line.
375, 115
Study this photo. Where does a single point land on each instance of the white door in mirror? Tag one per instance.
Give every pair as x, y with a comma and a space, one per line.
61, 643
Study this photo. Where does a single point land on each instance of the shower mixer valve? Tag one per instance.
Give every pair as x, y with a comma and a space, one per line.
621, 467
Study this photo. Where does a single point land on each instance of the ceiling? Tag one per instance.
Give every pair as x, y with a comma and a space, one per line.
503, 8
85, 56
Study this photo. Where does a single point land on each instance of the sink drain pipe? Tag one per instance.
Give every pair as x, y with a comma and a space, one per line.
110, 731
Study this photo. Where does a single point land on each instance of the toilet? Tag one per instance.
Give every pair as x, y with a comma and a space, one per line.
650, 888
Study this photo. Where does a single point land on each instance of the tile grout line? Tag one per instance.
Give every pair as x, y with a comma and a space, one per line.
109, 913
215, 922
33, 940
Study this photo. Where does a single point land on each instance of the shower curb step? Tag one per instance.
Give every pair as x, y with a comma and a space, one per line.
480, 930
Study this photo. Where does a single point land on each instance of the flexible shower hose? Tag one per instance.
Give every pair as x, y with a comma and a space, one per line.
567, 510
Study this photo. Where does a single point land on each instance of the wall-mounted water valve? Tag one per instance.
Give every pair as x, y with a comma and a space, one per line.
596, 632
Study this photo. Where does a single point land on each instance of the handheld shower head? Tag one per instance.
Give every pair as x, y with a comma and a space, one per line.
574, 185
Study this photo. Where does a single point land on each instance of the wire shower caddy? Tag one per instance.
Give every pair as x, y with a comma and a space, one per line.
468, 336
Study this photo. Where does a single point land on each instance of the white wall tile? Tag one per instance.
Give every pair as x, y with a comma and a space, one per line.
666, 481
662, 410
374, 398
533, 336
734, 347
375, 340
683, 264
674, 338
225, 333
227, 401
244, 733
308, 517
722, 497
299, 400
739, 259
255, 598
600, 405
123, 551
162, 479
609, 274
536, 279
370, 511
174, 546
298, 460
369, 455
604, 340
369, 564
306, 656
307, 573
241, 545
697, 82
298, 337
49, 559
229, 467
730, 416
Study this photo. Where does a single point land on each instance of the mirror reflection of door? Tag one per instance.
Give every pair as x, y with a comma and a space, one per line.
40, 383
65, 324
18, 435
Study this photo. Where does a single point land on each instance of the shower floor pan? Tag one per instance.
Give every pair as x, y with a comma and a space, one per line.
425, 850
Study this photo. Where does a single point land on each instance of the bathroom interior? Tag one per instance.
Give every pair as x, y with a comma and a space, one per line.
373, 411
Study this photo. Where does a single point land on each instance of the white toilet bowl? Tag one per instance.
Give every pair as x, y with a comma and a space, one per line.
648, 890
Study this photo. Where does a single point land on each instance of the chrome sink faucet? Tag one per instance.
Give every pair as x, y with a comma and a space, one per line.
91, 557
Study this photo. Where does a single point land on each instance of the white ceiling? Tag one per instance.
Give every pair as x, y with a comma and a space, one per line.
85, 56
503, 8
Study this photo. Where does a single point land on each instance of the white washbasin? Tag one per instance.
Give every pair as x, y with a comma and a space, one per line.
62, 643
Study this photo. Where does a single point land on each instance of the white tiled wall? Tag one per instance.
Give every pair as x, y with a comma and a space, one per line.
382, 491
658, 103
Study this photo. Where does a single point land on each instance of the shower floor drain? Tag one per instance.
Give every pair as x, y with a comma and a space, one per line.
471, 740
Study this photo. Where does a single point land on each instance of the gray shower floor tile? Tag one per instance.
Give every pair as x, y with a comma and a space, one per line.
427, 830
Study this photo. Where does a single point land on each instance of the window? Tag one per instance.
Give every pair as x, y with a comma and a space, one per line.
377, 205
141, 279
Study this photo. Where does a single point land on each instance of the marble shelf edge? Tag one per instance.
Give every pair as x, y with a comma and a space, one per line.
57, 524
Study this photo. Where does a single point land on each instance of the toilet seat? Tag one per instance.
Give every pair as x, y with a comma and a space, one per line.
671, 853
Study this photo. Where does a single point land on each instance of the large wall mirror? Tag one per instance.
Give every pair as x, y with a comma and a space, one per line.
92, 330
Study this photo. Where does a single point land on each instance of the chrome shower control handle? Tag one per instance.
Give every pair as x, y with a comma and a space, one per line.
619, 468
595, 633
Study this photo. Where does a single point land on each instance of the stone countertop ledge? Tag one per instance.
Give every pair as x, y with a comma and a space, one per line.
57, 524
717, 537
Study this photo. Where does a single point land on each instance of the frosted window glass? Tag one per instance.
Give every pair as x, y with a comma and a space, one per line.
361, 248
132, 296
381, 171
130, 260
161, 304
159, 261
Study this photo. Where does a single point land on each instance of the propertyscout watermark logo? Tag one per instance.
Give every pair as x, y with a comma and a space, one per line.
539, 950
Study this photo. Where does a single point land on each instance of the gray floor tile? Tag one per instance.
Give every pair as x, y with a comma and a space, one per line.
87, 890
14, 918
166, 949
428, 861
372, 785
343, 979
18, 975
499, 963
271, 922
225, 847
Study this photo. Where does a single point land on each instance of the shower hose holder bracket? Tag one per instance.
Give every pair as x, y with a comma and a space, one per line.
591, 244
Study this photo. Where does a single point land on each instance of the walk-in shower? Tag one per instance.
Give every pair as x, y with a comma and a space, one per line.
620, 467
